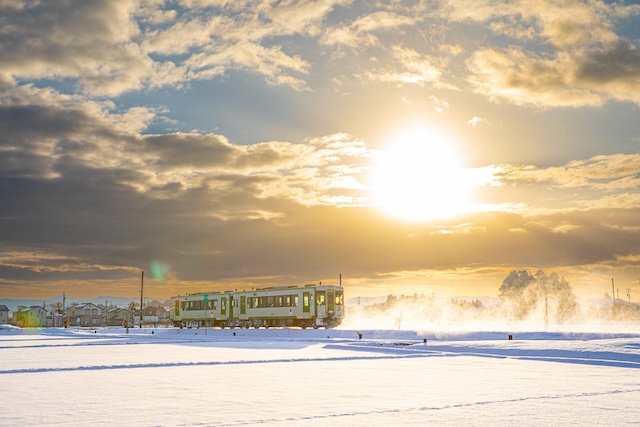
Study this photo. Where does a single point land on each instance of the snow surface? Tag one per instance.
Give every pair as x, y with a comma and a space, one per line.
292, 377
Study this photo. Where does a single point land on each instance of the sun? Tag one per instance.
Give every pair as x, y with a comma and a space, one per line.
419, 177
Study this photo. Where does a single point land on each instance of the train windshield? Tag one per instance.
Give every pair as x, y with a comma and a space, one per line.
339, 298
320, 295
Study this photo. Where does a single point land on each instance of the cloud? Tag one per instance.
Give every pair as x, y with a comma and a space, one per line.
514, 76
416, 69
605, 172
475, 121
361, 32
567, 23
613, 70
567, 80
52, 136
147, 44
59, 40
587, 65
102, 201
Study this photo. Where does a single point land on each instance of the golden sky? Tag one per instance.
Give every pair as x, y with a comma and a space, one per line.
411, 146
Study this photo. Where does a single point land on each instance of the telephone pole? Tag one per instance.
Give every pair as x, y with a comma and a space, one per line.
64, 309
613, 295
141, 289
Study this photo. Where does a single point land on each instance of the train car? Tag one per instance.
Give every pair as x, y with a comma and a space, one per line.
294, 306
201, 309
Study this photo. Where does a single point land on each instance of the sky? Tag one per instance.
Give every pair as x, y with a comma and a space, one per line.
409, 146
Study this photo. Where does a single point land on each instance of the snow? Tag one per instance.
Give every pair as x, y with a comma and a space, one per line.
292, 377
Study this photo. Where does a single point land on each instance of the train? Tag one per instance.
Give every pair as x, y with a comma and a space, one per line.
307, 306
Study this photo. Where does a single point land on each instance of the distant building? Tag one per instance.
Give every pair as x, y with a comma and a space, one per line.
154, 315
87, 314
4, 315
117, 316
30, 317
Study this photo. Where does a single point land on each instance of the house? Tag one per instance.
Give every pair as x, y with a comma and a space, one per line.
87, 314
154, 315
30, 317
4, 315
117, 316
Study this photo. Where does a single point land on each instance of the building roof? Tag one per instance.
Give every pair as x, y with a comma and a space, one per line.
86, 304
33, 307
3, 307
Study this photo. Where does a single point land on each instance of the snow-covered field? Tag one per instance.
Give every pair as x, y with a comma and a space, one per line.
290, 377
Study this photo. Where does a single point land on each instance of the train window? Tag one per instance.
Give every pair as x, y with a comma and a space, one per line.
320, 297
279, 301
339, 298
305, 301
295, 300
270, 301
287, 301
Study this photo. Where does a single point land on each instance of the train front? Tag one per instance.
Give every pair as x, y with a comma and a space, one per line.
329, 305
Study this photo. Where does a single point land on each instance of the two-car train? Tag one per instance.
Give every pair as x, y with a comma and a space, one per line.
283, 306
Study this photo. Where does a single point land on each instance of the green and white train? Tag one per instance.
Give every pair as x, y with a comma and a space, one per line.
309, 306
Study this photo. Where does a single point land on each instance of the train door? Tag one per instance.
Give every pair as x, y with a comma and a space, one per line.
321, 307
223, 306
306, 302
243, 305
331, 302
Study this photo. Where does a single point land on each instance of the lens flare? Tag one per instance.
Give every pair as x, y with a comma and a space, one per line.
159, 269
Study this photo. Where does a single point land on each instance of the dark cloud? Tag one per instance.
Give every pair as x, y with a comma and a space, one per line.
618, 63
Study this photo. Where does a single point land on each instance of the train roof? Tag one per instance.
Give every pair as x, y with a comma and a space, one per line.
267, 288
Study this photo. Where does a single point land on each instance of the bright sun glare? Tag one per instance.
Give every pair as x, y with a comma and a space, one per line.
419, 178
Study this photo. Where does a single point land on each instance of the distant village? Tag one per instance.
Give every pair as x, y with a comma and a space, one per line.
154, 313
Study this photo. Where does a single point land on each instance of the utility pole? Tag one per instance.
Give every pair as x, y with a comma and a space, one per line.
629, 295
141, 289
613, 295
64, 309
546, 313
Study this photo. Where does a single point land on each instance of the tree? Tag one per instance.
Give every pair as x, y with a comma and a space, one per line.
525, 292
